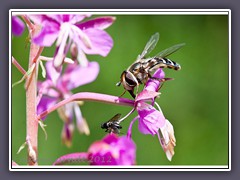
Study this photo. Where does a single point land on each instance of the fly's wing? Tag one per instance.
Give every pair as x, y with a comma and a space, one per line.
115, 118
169, 51
150, 45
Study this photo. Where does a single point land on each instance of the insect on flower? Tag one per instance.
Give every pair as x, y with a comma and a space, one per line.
112, 125
139, 72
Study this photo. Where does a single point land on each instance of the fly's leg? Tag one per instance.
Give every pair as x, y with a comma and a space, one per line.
132, 93
123, 93
161, 79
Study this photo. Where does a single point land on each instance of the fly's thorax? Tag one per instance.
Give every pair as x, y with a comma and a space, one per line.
135, 67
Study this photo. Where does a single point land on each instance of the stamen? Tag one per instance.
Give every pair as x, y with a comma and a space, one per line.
158, 106
120, 120
82, 58
60, 53
64, 28
83, 36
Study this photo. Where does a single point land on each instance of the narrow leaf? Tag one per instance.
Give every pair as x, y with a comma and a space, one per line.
21, 147
43, 69
42, 125
25, 75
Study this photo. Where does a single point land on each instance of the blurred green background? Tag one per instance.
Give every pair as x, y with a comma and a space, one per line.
196, 102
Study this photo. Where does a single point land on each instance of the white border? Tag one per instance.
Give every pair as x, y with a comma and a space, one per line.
126, 11
120, 12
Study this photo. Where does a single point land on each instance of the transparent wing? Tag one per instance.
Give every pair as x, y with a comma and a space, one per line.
170, 50
116, 117
150, 45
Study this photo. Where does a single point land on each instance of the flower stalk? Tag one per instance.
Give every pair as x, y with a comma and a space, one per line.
31, 95
18, 66
89, 96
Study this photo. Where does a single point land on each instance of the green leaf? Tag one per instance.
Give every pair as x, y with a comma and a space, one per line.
43, 69
25, 75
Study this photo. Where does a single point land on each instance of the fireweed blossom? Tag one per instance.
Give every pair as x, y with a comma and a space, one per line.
17, 26
111, 150
152, 120
89, 36
50, 93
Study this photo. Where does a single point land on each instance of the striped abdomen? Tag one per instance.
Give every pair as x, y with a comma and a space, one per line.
165, 63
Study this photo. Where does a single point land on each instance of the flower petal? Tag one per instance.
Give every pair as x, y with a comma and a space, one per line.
146, 95
47, 36
113, 150
79, 75
152, 84
98, 23
50, 29
101, 42
17, 26
168, 141
73, 19
52, 72
150, 120
45, 103
45, 19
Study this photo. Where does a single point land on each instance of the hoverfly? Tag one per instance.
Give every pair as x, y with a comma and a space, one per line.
139, 72
112, 125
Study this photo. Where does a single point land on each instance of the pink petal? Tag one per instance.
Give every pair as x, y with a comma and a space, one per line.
50, 29
47, 36
45, 19
143, 128
111, 138
45, 103
98, 23
146, 95
150, 120
52, 72
81, 75
17, 26
101, 42
37, 18
73, 19
153, 85
115, 150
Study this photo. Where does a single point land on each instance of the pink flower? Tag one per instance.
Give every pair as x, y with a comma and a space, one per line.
49, 94
151, 120
89, 36
113, 150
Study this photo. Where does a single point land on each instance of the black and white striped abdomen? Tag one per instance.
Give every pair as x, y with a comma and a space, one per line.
166, 63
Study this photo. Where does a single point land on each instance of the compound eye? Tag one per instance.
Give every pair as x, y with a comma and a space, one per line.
130, 79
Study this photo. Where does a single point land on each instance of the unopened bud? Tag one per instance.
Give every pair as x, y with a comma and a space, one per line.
67, 134
32, 155
74, 51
